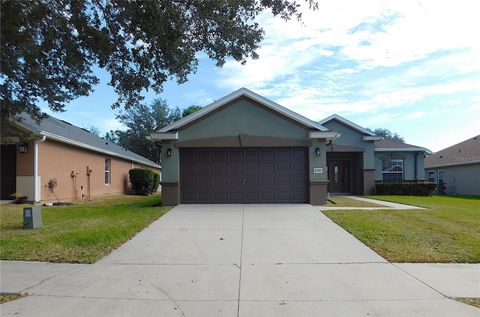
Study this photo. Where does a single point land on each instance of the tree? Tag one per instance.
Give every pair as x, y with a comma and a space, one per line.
141, 120
93, 129
189, 110
111, 136
51, 47
387, 134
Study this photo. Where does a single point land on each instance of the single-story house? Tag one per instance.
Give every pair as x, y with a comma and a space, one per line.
456, 169
53, 159
245, 148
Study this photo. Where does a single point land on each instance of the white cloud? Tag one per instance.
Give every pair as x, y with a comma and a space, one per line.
105, 125
416, 115
311, 67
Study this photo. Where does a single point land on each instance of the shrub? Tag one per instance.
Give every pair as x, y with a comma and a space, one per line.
142, 180
156, 182
408, 189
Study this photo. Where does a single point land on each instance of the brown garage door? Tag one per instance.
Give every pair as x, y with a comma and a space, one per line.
252, 175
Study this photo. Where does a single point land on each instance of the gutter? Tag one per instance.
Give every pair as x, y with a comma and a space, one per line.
454, 164
415, 166
403, 149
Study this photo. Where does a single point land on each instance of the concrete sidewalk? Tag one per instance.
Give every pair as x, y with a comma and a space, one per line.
453, 280
386, 204
20, 276
238, 260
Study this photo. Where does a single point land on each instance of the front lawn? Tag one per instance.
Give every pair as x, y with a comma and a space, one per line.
448, 231
81, 233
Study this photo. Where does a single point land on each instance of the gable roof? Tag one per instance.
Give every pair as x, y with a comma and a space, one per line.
347, 123
62, 131
244, 92
466, 152
386, 145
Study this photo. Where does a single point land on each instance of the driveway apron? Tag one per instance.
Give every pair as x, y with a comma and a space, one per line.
238, 260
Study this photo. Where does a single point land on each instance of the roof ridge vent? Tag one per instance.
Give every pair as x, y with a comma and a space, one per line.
66, 122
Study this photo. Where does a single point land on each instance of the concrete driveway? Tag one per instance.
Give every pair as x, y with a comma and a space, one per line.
238, 260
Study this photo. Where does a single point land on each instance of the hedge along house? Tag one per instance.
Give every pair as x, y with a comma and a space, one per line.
245, 148
36, 156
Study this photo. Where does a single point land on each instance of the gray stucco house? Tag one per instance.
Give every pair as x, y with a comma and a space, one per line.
245, 148
457, 167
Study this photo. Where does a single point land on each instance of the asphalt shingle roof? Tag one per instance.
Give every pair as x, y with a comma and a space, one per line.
388, 143
464, 152
69, 131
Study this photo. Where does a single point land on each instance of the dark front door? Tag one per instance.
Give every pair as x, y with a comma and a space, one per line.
339, 176
238, 175
8, 171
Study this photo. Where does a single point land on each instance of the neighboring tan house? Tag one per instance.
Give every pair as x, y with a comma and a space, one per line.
457, 167
72, 160
245, 148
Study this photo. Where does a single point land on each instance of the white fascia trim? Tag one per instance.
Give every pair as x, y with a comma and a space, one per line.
250, 94
164, 136
454, 164
330, 135
372, 138
348, 123
93, 148
404, 149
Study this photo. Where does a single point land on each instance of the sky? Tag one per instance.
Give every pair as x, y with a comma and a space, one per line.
412, 67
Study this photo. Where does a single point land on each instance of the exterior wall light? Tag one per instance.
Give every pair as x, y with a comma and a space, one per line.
317, 151
22, 148
169, 152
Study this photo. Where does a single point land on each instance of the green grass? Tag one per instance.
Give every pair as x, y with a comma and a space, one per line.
448, 231
9, 297
342, 201
469, 301
82, 233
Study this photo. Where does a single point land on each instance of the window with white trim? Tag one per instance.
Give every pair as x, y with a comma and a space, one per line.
440, 177
431, 176
108, 167
392, 170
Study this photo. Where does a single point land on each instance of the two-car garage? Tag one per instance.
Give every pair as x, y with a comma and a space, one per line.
243, 148
244, 175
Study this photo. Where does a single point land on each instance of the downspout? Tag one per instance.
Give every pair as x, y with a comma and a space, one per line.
36, 187
416, 171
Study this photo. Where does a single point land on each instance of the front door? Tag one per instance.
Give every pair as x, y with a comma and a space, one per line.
338, 176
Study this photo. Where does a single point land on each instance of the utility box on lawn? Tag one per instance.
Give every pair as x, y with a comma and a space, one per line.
32, 217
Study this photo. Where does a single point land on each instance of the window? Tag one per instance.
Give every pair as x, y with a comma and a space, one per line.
440, 176
431, 176
441, 186
108, 164
392, 170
